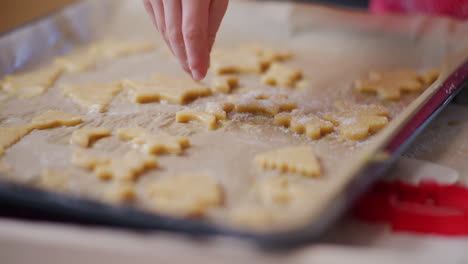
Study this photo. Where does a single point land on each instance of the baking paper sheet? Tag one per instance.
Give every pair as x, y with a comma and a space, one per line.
333, 48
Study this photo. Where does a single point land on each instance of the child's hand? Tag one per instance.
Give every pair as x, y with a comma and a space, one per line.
189, 28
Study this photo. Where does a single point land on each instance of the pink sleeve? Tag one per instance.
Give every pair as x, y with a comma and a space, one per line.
453, 8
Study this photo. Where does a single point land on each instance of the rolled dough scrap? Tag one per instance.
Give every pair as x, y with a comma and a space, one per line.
153, 143
187, 194
430, 76
268, 104
160, 87
119, 192
267, 54
235, 61
224, 84
30, 84
77, 62
390, 85
117, 48
299, 159
357, 122
280, 189
12, 134
313, 126
185, 116
219, 110
84, 136
255, 218
51, 119
53, 180
126, 168
281, 75
95, 96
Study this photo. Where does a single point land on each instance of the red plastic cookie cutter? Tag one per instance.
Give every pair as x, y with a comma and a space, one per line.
428, 207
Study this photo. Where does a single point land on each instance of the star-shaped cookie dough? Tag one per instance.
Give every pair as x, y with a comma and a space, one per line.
83, 137
160, 87
268, 104
94, 96
390, 85
52, 118
153, 143
313, 126
281, 75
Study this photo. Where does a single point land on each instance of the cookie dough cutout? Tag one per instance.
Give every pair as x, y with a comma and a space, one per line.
390, 85
267, 54
160, 87
235, 61
301, 160
430, 76
313, 126
219, 110
280, 190
265, 104
53, 180
94, 96
118, 48
154, 143
251, 217
77, 62
119, 192
51, 119
281, 75
187, 194
83, 137
12, 134
127, 168
358, 122
224, 84
31, 84
185, 116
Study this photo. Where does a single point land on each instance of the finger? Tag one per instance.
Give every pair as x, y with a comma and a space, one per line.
217, 10
173, 20
158, 12
195, 32
149, 10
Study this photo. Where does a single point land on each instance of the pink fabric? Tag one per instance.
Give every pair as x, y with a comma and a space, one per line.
453, 8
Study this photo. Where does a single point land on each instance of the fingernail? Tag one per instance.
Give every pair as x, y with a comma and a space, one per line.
197, 75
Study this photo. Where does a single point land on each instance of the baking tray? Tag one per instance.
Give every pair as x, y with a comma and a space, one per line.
368, 168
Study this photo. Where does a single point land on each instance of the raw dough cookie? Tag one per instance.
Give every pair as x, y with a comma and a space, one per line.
53, 180
390, 85
267, 54
357, 122
268, 104
281, 75
185, 116
126, 168
51, 119
84, 136
224, 84
119, 192
280, 189
11, 135
30, 84
95, 96
255, 218
299, 159
77, 62
235, 61
160, 87
430, 76
220, 110
311, 125
117, 48
189, 194
153, 143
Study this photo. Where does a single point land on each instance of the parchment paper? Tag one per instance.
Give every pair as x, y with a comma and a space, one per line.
332, 47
